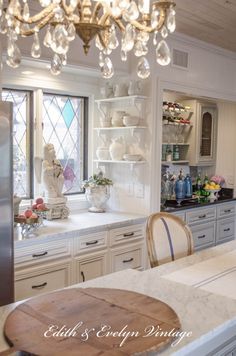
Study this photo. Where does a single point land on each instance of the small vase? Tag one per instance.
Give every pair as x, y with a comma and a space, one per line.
117, 149
97, 196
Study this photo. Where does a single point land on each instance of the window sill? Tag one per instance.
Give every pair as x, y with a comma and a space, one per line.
74, 203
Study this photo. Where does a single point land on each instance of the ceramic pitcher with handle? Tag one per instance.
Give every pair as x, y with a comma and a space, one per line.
117, 148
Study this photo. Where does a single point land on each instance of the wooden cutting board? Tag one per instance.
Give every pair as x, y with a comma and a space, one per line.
97, 321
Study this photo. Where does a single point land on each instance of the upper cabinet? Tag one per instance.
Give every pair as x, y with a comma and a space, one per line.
203, 136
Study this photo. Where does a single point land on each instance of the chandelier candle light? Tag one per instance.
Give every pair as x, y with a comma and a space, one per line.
99, 20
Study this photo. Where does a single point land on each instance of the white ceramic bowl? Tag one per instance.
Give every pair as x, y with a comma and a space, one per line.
132, 157
130, 120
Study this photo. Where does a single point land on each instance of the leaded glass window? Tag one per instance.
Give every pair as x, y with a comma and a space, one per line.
65, 126
22, 140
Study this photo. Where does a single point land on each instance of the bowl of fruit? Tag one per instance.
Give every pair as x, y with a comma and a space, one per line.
27, 217
213, 188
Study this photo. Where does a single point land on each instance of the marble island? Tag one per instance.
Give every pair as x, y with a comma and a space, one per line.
209, 318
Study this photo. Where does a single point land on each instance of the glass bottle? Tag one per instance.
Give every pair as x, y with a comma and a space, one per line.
168, 154
180, 187
198, 183
189, 187
176, 153
206, 180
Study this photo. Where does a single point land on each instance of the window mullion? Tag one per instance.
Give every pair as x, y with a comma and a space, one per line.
38, 134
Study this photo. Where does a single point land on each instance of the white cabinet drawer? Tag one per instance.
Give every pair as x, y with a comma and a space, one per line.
127, 258
224, 210
41, 253
203, 235
90, 242
180, 214
200, 215
30, 284
127, 234
225, 230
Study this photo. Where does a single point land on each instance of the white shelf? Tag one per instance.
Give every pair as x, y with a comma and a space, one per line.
119, 98
177, 124
175, 144
120, 128
121, 161
175, 162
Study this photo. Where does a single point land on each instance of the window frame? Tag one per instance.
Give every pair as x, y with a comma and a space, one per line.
35, 134
29, 137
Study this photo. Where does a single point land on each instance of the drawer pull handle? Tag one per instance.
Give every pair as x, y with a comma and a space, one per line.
129, 260
201, 236
83, 276
227, 229
91, 243
128, 234
40, 254
202, 216
40, 285
227, 211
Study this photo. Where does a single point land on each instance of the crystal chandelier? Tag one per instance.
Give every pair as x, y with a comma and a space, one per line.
139, 23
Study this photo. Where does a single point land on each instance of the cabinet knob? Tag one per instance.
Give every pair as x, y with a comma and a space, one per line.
227, 211
202, 216
228, 229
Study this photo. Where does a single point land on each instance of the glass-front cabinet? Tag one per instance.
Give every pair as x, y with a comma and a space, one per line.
203, 136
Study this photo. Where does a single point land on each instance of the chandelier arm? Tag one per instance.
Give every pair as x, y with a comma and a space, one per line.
66, 8
39, 25
104, 18
119, 23
149, 29
41, 15
96, 10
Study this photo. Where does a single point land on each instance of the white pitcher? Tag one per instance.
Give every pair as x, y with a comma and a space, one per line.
134, 87
117, 148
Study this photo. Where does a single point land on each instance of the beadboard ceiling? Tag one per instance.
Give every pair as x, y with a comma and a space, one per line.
212, 21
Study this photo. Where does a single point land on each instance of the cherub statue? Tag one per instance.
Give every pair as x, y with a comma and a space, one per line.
51, 171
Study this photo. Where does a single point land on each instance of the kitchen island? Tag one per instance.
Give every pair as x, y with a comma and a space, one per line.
208, 318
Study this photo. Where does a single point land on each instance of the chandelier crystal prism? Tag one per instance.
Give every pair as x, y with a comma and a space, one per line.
138, 22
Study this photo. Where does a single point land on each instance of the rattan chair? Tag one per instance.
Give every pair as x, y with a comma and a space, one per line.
168, 238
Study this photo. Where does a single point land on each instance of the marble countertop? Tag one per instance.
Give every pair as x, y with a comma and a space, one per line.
204, 314
80, 223
195, 205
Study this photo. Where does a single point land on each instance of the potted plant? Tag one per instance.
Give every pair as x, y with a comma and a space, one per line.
97, 191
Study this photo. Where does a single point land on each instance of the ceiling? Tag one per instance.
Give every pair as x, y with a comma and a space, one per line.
212, 21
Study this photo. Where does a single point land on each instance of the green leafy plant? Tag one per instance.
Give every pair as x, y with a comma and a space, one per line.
96, 180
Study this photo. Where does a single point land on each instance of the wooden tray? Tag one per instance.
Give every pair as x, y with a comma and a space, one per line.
118, 311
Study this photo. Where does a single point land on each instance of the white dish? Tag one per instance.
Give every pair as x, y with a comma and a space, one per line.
130, 120
132, 157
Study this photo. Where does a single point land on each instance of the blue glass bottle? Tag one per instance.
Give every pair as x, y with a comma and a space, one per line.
189, 187
180, 187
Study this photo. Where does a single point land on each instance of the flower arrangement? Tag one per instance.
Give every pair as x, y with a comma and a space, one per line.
96, 180
218, 179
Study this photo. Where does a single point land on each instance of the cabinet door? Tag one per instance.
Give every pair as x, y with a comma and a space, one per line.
91, 267
207, 134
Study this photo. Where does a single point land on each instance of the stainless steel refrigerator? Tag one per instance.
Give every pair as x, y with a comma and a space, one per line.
6, 205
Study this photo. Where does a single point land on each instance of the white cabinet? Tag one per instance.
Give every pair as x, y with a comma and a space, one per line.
41, 267
128, 249
203, 136
30, 282
210, 225
90, 266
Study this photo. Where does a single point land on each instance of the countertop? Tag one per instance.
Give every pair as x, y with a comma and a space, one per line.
80, 223
204, 314
188, 205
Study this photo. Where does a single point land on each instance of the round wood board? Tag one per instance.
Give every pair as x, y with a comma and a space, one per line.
90, 321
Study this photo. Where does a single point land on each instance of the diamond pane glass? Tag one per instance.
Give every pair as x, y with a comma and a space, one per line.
21, 157
63, 118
